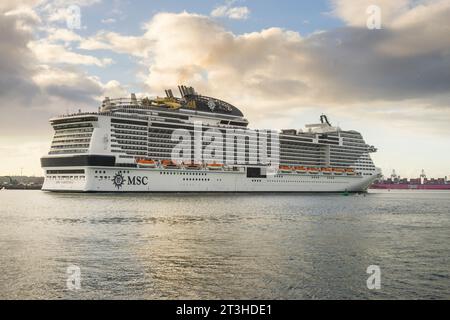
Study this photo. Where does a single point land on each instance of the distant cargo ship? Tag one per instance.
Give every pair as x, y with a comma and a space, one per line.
421, 183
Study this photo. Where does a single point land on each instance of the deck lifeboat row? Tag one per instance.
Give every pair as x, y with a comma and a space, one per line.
313, 170
169, 164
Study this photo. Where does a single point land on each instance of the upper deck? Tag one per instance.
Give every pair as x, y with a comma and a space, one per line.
191, 105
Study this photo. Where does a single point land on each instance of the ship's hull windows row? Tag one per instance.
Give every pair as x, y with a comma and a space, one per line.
78, 160
81, 171
132, 122
72, 120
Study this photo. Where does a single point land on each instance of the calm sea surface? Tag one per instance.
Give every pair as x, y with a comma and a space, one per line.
224, 246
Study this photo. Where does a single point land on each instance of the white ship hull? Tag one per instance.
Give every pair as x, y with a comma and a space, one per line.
113, 179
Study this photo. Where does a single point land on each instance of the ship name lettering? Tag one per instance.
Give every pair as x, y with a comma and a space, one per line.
137, 181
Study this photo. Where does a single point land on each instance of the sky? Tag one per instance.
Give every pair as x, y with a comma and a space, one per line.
380, 67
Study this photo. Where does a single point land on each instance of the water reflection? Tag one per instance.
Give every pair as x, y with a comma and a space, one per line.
223, 246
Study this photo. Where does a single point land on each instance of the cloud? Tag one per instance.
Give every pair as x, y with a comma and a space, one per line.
16, 63
54, 53
114, 88
238, 13
8, 5
420, 31
351, 69
275, 63
41, 78
228, 11
59, 34
24, 16
225, 63
59, 11
262, 67
69, 84
109, 21
354, 13
136, 46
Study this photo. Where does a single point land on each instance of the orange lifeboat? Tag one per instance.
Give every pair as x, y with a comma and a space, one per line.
146, 163
300, 169
169, 164
313, 170
338, 171
192, 166
214, 166
350, 172
327, 170
285, 169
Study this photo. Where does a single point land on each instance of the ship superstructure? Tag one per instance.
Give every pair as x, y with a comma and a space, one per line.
130, 144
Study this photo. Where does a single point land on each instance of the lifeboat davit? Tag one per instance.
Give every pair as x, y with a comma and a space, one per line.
214, 166
145, 163
300, 169
285, 169
169, 164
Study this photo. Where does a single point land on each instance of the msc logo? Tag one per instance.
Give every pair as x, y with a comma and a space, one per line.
119, 180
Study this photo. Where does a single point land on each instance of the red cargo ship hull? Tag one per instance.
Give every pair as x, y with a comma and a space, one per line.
405, 186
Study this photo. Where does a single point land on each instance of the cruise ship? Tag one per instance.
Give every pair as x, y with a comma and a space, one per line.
196, 143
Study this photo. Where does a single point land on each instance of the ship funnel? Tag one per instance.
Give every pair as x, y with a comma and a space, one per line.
186, 91
106, 104
181, 91
169, 93
133, 98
